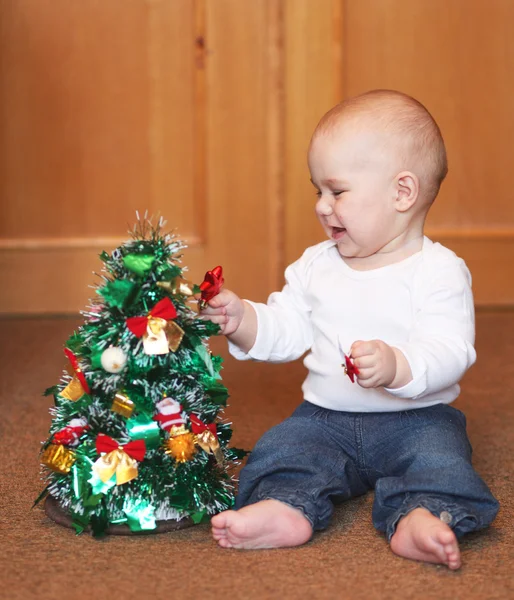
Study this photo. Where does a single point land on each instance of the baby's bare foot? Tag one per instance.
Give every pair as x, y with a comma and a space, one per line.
422, 536
266, 524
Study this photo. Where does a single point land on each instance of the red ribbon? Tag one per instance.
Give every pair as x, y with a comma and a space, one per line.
351, 369
135, 449
198, 426
77, 370
211, 284
164, 309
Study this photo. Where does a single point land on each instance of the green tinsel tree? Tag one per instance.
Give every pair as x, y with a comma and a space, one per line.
136, 436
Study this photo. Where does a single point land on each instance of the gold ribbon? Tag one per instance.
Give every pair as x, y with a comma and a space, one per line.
73, 391
209, 442
156, 324
178, 285
162, 336
119, 462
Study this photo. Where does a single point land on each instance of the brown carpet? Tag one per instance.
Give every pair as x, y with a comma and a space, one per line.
349, 560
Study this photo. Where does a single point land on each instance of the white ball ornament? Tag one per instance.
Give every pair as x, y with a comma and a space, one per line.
113, 359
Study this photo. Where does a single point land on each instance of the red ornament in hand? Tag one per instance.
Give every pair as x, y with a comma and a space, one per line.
211, 285
350, 369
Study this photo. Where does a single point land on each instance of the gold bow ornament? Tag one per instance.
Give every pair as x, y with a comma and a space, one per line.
159, 332
118, 458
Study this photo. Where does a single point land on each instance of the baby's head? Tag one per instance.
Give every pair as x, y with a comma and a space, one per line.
377, 162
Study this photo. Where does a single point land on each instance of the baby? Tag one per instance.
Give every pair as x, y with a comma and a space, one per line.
401, 307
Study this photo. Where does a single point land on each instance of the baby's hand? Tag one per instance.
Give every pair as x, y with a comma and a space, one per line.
376, 362
226, 309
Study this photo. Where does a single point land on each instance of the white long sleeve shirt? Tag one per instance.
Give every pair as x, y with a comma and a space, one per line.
422, 305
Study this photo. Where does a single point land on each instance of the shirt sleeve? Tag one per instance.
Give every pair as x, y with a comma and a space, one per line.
284, 330
440, 348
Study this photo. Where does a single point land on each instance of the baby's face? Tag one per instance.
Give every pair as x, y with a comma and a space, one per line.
354, 177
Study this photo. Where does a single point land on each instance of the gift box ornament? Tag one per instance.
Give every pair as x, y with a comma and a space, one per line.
58, 458
122, 405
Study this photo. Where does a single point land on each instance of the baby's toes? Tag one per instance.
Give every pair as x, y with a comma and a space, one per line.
217, 534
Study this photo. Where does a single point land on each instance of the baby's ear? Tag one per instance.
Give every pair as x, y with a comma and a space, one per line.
407, 190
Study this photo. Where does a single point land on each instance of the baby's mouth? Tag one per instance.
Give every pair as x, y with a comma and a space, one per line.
338, 232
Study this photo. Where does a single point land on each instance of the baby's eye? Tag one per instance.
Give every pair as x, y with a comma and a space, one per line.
338, 192
318, 194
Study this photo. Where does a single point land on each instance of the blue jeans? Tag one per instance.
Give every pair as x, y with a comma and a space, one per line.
415, 458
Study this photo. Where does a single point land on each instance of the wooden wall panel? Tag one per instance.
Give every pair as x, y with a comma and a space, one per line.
73, 130
242, 111
203, 110
313, 76
109, 107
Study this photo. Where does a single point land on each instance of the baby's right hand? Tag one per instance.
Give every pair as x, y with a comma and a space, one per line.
227, 310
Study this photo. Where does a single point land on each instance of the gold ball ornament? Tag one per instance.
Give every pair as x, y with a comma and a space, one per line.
181, 447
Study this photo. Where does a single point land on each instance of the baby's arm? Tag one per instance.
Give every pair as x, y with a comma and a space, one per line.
236, 318
278, 331
440, 346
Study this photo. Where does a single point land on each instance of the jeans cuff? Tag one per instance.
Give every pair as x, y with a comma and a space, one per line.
296, 500
459, 518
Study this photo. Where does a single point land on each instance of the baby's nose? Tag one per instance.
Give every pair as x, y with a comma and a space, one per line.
324, 207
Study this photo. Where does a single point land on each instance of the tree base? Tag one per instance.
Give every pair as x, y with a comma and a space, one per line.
61, 517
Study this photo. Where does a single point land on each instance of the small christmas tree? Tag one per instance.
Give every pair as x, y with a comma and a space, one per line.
136, 437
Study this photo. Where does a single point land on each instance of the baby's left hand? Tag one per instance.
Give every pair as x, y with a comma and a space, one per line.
376, 362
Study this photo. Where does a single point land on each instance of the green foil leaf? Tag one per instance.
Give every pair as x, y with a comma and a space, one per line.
75, 343
96, 358
142, 427
51, 391
167, 272
204, 353
200, 517
139, 263
218, 393
140, 515
98, 486
43, 494
80, 522
119, 293
99, 524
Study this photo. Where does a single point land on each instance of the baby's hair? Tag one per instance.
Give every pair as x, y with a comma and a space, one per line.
408, 120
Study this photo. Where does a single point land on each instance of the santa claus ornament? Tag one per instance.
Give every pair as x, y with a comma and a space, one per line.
169, 414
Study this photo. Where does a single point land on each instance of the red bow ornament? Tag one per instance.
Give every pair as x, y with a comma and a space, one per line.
206, 437
160, 334
118, 458
211, 286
